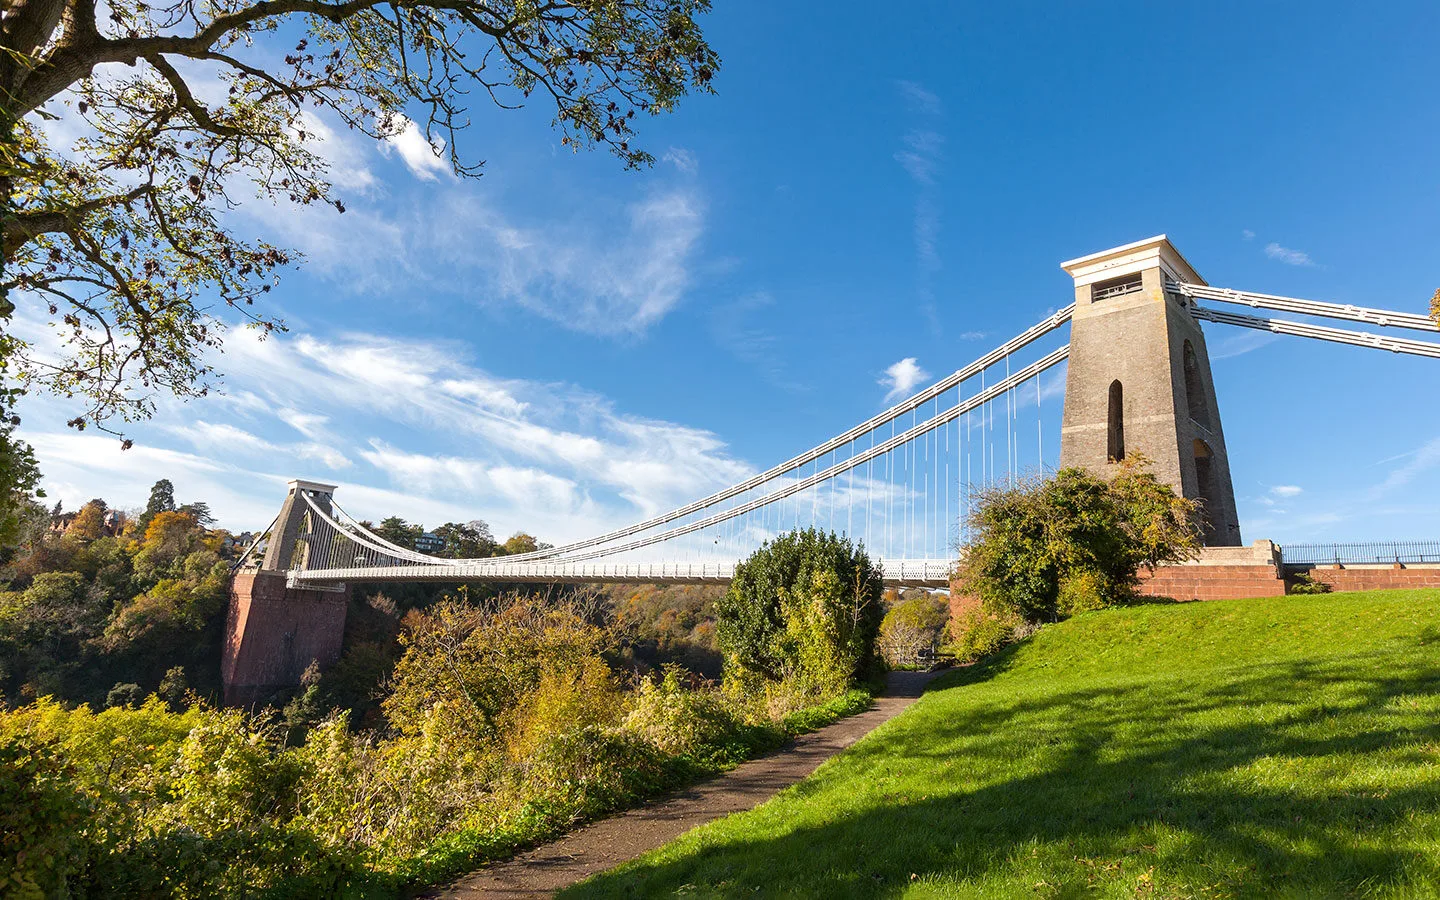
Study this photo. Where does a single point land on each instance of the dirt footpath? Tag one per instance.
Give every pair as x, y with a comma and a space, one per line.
608, 843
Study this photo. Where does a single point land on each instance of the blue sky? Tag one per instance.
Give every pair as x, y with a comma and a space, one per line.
563, 346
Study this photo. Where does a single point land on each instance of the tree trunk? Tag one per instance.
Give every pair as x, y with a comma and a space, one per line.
26, 25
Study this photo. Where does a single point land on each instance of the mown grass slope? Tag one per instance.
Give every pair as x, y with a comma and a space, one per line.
1285, 747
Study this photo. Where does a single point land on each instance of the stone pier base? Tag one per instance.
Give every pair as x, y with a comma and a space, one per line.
273, 633
1220, 573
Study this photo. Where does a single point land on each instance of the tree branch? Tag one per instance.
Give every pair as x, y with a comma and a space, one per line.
24, 226
187, 100
70, 63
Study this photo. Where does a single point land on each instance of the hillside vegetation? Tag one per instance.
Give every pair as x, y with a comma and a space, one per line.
498, 722
1279, 747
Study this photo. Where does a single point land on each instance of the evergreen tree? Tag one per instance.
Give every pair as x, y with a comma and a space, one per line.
162, 499
397, 531
200, 512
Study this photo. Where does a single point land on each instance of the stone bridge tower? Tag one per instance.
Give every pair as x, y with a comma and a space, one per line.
274, 632
1139, 379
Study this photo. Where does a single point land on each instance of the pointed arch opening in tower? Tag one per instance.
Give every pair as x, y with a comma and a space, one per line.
1205, 487
300, 556
1115, 446
1195, 398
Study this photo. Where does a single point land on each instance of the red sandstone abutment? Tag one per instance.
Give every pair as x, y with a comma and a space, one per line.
273, 633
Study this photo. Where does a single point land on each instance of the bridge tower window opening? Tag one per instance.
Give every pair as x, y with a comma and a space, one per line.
1115, 443
1205, 484
1116, 287
300, 556
1195, 389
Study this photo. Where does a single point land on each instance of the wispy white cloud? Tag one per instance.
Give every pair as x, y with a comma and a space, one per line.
1416, 462
424, 158
440, 474
599, 278
1276, 495
1288, 256
682, 159
919, 97
1335, 510
921, 156
1241, 343
425, 392
79, 467
244, 498
420, 420
241, 401
974, 335
347, 157
902, 378
1247, 234
735, 327
308, 424
1276, 523
226, 441
614, 270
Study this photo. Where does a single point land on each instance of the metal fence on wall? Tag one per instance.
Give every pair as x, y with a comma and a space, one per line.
1361, 553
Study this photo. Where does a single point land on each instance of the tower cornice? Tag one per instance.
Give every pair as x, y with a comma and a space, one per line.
1131, 258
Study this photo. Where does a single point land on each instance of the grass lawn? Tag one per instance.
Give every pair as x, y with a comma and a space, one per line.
1284, 747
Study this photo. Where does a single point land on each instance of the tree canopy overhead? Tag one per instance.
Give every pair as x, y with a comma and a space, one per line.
122, 242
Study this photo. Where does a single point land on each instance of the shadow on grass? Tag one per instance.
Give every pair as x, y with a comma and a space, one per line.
1293, 779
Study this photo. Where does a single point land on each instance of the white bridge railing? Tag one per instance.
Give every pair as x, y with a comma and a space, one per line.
910, 572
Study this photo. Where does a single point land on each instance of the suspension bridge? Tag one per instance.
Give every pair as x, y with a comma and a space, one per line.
901, 483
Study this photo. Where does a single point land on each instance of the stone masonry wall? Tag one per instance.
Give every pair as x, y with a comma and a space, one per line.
273, 633
1191, 582
1376, 578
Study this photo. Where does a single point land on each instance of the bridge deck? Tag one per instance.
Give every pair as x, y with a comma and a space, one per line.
896, 572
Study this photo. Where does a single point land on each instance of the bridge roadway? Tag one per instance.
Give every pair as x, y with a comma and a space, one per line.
895, 572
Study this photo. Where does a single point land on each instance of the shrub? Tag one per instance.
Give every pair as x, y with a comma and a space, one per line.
805, 607
194, 804
1046, 548
581, 773
564, 701
676, 719
384, 800
978, 633
1303, 583
124, 695
912, 626
1083, 591
473, 667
